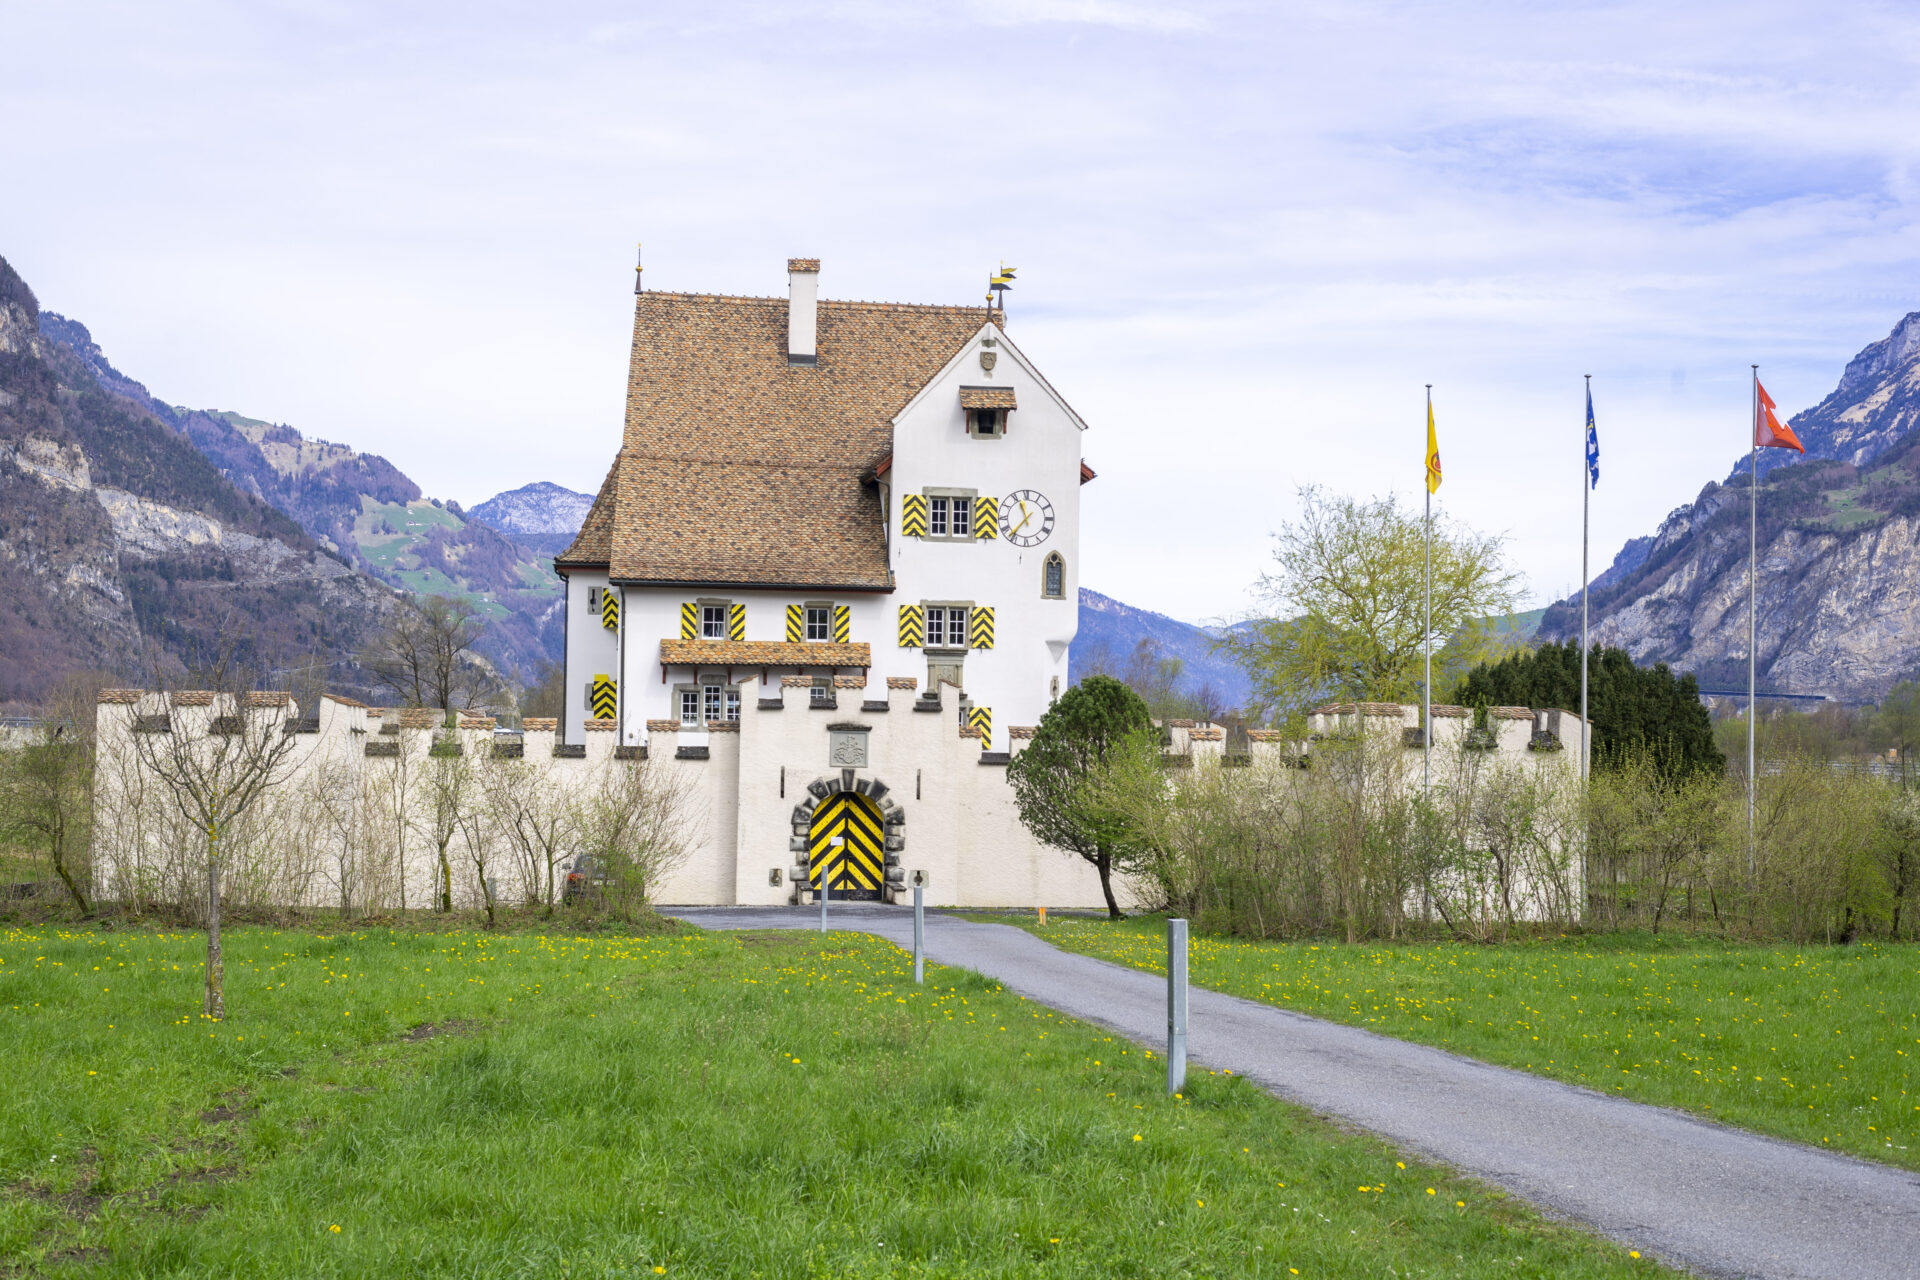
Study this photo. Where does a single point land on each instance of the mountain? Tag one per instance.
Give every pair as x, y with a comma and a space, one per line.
1110, 633
361, 508
123, 548
543, 517
1839, 538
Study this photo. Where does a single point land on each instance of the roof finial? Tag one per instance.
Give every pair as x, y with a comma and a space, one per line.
637, 268
999, 284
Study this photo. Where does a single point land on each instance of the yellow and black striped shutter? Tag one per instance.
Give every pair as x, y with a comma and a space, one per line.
736, 622
980, 634
986, 517
603, 703
609, 609
981, 718
913, 627
913, 515
689, 621
796, 623
842, 623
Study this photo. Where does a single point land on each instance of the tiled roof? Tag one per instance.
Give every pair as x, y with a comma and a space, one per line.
605, 724
1450, 713
427, 718
738, 467
539, 724
1022, 730
119, 695
903, 682
763, 653
849, 682
663, 726
1207, 734
193, 698
1364, 708
267, 698
1264, 735
1086, 472
1510, 713
593, 546
466, 722
987, 398
343, 700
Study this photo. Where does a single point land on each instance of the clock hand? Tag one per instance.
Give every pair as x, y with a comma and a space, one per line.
1026, 517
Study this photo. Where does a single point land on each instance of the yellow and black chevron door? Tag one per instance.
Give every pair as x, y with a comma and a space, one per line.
689, 621
980, 634
609, 610
842, 623
986, 517
796, 624
913, 515
981, 718
737, 622
604, 704
913, 627
846, 847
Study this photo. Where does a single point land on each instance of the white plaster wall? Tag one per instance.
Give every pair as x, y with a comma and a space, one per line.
592, 649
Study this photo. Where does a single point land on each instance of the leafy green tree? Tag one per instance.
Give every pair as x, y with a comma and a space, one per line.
1347, 603
1057, 779
1898, 721
1635, 710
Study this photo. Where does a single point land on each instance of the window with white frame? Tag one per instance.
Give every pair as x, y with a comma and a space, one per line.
950, 515
713, 622
947, 626
712, 701
819, 622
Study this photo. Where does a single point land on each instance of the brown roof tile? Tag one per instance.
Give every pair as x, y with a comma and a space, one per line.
987, 398
193, 698
1264, 735
428, 718
726, 442
119, 695
1207, 735
1364, 708
605, 724
540, 724
763, 653
903, 682
343, 700
663, 726
1022, 730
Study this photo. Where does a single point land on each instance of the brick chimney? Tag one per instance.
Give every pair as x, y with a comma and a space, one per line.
803, 296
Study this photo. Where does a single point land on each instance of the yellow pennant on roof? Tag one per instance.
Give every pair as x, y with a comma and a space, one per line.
1433, 453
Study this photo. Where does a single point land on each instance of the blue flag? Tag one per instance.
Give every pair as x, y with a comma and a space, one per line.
1593, 446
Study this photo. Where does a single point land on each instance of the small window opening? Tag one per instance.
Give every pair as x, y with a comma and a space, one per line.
1053, 577
985, 424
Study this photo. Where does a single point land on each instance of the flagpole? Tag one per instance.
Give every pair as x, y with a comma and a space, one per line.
1586, 490
1753, 551
1426, 688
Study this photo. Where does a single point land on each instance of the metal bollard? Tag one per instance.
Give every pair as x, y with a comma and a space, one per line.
826, 890
1176, 1005
919, 935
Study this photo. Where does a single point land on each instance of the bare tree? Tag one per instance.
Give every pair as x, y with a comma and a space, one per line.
446, 801
215, 752
635, 821
535, 818
426, 655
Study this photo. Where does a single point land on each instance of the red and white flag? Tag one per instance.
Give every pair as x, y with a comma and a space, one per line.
1768, 431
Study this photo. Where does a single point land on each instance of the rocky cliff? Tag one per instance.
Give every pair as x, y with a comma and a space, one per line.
1839, 552
541, 516
123, 548
356, 506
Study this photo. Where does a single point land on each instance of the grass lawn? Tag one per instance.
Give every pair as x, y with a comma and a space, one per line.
679, 1103
1819, 1044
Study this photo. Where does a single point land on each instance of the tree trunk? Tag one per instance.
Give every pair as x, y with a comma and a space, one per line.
80, 897
216, 1003
1103, 862
446, 881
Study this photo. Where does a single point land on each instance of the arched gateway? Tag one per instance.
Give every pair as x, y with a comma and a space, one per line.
848, 833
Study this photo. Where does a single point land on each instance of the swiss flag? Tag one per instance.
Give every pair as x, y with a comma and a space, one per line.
1768, 431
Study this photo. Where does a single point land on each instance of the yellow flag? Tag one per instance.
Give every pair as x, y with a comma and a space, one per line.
1433, 454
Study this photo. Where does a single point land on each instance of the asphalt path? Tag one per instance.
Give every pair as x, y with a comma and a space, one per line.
1694, 1194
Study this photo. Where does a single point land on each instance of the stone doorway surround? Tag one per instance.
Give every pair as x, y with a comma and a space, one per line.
893, 818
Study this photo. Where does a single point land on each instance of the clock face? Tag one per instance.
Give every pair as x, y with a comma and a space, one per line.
1026, 518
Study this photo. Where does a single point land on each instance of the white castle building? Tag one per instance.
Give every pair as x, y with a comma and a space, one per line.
857, 501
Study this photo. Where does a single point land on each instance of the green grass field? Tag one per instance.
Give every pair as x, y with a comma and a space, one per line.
1813, 1043
678, 1103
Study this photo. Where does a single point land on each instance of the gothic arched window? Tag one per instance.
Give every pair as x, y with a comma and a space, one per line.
1053, 577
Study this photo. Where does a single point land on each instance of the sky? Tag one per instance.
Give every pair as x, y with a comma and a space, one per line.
1247, 235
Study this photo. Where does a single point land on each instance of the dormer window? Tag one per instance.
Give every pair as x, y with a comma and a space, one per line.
986, 424
987, 409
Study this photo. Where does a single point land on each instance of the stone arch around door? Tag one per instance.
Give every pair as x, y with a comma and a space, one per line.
828, 790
